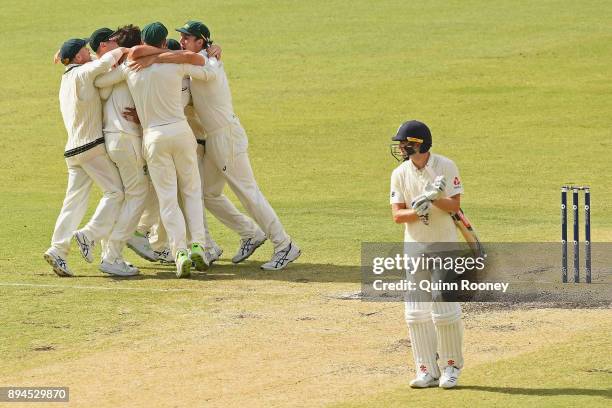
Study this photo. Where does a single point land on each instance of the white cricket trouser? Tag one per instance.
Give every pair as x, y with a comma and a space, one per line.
172, 164
227, 161
84, 170
125, 151
150, 221
201, 153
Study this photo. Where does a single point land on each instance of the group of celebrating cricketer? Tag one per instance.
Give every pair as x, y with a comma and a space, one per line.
150, 121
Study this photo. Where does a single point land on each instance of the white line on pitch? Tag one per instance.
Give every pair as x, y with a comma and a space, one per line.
37, 285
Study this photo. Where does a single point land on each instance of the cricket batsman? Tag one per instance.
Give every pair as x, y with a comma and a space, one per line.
425, 189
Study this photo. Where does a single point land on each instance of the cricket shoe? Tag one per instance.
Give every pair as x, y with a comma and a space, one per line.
85, 245
247, 247
118, 268
164, 256
282, 258
198, 257
213, 254
183, 264
424, 380
139, 243
449, 377
57, 262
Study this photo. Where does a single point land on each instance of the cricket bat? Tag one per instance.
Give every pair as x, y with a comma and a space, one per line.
464, 225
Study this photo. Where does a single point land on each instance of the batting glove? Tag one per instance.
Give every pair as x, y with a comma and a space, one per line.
435, 190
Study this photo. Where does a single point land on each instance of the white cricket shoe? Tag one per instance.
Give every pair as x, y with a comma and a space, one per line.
85, 245
424, 380
118, 268
213, 254
449, 377
57, 262
164, 256
248, 246
140, 244
282, 258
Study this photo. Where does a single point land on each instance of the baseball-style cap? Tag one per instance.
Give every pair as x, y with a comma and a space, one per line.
172, 44
70, 49
413, 131
154, 33
195, 28
99, 36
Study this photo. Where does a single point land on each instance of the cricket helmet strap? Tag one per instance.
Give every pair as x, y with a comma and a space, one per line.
414, 131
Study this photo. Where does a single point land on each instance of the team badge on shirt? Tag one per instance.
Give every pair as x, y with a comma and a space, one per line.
457, 182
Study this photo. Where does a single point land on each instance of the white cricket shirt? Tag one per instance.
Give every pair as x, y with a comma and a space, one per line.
408, 182
157, 94
212, 98
192, 118
119, 99
80, 103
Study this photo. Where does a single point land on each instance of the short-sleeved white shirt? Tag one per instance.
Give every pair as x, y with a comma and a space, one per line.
408, 182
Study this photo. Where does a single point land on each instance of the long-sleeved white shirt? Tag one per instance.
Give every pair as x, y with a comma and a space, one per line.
157, 94
212, 97
117, 99
192, 118
80, 103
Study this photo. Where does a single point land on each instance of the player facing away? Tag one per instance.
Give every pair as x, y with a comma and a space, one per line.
123, 140
425, 188
85, 155
150, 225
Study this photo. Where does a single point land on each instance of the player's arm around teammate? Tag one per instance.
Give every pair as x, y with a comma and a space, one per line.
86, 158
422, 198
123, 139
227, 161
170, 151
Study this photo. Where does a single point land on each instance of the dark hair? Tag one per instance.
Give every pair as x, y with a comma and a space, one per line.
127, 36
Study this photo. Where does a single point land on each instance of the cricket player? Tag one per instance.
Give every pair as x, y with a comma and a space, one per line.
150, 225
425, 188
226, 161
123, 139
85, 155
169, 146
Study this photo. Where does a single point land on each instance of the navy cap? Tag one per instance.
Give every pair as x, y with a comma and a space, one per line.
413, 131
70, 49
154, 34
172, 44
99, 36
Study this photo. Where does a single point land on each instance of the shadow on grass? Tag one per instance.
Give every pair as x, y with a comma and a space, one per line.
544, 392
250, 270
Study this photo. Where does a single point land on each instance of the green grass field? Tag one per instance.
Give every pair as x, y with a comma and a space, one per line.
516, 92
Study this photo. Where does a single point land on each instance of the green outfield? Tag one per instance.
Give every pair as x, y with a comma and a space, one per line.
516, 93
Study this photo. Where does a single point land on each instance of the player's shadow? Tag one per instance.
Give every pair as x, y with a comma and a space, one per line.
250, 270
544, 392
